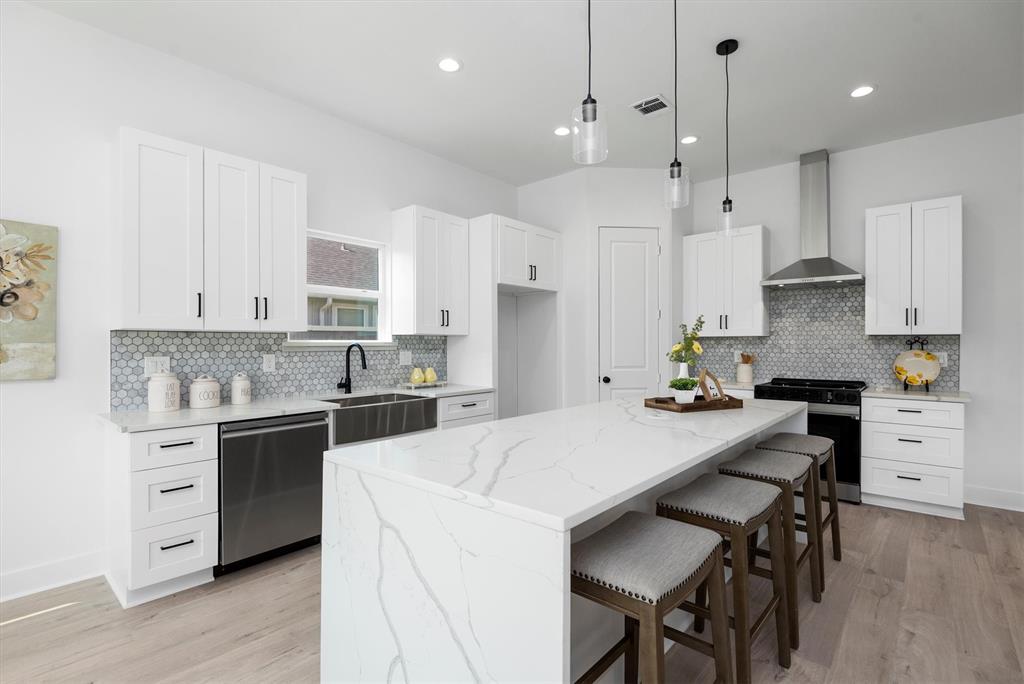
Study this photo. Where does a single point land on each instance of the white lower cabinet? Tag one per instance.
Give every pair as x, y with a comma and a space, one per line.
164, 495
465, 409
912, 455
172, 550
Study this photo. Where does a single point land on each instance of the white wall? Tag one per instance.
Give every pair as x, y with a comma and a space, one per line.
982, 162
66, 88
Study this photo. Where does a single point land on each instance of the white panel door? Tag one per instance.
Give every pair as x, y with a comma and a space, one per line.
162, 233
282, 249
231, 235
513, 237
542, 255
937, 235
429, 314
887, 270
744, 310
628, 326
703, 255
453, 284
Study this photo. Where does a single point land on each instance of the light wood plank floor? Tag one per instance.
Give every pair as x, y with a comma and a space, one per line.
916, 599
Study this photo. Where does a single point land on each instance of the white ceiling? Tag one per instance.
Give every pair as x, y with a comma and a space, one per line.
937, 64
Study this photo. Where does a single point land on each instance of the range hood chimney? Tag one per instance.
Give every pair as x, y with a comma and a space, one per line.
815, 268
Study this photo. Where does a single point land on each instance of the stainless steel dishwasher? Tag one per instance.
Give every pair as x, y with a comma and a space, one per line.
271, 473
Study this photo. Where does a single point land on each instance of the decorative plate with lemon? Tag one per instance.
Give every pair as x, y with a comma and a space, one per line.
916, 367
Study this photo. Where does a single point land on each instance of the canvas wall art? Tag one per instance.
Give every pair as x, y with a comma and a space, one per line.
28, 301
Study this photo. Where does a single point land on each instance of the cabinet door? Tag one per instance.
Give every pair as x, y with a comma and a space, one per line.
453, 284
282, 249
162, 233
542, 254
887, 270
231, 236
513, 238
937, 266
702, 282
429, 230
742, 294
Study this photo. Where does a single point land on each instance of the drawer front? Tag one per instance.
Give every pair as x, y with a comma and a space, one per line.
163, 495
461, 422
913, 481
168, 551
911, 412
913, 444
161, 448
466, 406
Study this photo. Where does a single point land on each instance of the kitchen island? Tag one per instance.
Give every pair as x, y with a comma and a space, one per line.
446, 554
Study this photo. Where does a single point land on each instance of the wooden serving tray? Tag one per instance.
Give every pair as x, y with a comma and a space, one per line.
699, 404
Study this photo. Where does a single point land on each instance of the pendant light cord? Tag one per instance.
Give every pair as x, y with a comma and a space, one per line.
675, 71
589, 49
726, 126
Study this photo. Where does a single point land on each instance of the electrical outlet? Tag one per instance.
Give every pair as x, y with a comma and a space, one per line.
156, 364
943, 358
269, 363
404, 357
736, 356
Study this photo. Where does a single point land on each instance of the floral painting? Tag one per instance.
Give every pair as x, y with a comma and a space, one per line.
28, 307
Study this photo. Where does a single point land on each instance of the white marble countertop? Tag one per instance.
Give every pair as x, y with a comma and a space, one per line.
142, 421
917, 394
559, 468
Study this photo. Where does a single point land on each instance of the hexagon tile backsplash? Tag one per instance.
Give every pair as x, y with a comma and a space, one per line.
819, 334
222, 354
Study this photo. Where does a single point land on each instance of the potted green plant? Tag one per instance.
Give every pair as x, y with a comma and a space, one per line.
683, 389
685, 353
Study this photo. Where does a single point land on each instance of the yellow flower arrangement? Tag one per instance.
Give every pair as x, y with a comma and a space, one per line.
689, 349
697, 349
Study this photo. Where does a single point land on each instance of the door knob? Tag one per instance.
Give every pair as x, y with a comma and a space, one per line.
606, 379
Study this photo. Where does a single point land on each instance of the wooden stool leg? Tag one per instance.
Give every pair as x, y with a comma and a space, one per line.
741, 602
720, 621
811, 511
819, 536
752, 549
833, 506
632, 651
789, 554
778, 561
652, 647
701, 599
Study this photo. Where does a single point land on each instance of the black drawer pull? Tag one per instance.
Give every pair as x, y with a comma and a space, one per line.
174, 546
176, 489
905, 477
469, 405
178, 444
912, 441
909, 411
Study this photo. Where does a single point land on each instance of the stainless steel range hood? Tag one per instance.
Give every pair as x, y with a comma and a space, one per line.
815, 268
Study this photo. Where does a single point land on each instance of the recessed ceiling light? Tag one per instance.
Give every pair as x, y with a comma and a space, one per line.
861, 91
449, 64
689, 140
562, 130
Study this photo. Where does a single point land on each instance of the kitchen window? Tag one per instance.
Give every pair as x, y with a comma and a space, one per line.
346, 292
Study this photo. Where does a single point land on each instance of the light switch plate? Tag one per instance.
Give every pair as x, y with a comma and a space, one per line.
156, 364
404, 357
736, 356
269, 363
943, 358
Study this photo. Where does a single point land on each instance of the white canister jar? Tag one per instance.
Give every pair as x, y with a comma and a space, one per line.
204, 392
745, 373
164, 392
241, 389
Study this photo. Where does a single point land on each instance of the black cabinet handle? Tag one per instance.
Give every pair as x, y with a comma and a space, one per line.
606, 379
176, 489
912, 441
200, 314
174, 546
915, 315
726, 321
904, 477
906, 316
469, 405
178, 444
265, 307
720, 321
908, 411
257, 301
447, 318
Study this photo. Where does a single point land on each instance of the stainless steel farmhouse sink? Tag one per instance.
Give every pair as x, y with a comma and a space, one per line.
381, 415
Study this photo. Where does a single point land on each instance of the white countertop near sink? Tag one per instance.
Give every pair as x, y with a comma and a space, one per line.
916, 395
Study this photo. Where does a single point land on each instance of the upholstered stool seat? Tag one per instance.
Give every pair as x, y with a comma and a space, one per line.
726, 499
808, 445
764, 464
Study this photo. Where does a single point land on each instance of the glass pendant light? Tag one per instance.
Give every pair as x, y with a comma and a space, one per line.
726, 48
589, 136
677, 183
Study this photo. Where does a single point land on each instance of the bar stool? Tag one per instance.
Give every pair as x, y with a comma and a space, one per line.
822, 451
736, 509
644, 566
787, 472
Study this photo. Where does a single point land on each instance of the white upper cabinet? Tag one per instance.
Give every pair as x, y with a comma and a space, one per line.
722, 282
430, 273
913, 268
209, 241
161, 245
528, 256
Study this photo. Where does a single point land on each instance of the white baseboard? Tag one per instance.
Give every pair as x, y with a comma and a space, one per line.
994, 498
18, 583
912, 506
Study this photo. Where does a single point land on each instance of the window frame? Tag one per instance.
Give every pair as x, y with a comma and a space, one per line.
382, 296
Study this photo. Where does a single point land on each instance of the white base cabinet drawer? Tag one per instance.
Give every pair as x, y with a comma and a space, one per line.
913, 444
465, 406
911, 412
913, 481
178, 548
160, 448
462, 422
163, 495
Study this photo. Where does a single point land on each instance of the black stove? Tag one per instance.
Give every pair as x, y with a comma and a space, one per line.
842, 392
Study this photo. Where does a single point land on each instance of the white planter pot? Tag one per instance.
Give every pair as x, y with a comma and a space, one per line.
684, 396
745, 373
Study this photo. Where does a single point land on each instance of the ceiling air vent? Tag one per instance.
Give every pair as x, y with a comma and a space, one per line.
656, 104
